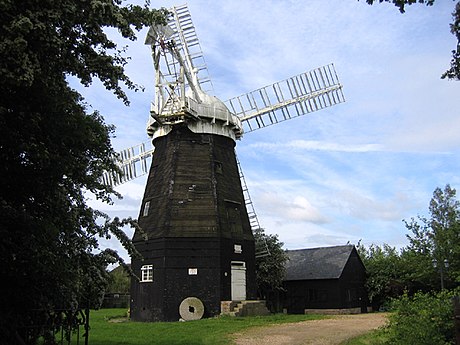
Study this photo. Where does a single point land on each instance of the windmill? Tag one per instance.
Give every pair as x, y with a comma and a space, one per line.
196, 215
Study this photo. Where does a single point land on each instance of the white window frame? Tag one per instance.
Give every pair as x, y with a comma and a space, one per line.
146, 209
147, 273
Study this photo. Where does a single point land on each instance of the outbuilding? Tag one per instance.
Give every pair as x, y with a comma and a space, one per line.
325, 280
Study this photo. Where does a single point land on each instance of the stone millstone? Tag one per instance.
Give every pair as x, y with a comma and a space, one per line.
191, 308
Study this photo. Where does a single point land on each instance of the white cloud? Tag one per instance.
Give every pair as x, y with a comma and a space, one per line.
313, 145
368, 207
297, 208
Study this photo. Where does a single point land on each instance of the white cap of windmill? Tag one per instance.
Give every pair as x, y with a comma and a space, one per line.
179, 98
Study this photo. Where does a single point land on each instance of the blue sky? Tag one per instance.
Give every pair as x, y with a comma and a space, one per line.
343, 174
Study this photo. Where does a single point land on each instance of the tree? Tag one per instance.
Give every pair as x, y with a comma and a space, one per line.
270, 263
422, 319
432, 240
454, 71
53, 152
436, 240
384, 272
119, 280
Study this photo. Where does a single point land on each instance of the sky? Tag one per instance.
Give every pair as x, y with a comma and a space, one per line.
344, 174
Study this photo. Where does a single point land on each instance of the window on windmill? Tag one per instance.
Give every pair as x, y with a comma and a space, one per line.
218, 167
146, 209
147, 273
234, 220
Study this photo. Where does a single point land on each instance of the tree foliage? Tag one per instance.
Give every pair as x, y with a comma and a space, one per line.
454, 71
431, 259
53, 152
384, 273
437, 238
422, 319
401, 4
270, 263
119, 280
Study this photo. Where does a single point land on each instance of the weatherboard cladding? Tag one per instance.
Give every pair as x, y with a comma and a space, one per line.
317, 263
195, 218
194, 189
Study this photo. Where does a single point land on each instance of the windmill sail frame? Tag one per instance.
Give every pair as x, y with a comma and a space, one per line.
284, 100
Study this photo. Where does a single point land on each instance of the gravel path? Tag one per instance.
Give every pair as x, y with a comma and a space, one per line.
331, 331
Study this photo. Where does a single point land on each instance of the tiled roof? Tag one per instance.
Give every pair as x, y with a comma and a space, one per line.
317, 263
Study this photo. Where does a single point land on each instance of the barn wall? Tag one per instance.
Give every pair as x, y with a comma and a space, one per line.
352, 283
310, 294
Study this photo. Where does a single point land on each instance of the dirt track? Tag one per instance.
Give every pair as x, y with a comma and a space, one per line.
331, 331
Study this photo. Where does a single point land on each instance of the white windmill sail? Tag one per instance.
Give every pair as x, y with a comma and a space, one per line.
188, 44
287, 99
133, 162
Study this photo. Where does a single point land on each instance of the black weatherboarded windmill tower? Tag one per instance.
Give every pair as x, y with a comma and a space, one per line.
196, 240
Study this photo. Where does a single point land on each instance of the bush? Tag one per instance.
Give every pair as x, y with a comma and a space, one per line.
423, 319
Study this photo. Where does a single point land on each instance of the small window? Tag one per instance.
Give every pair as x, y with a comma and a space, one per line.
238, 249
146, 208
147, 273
234, 217
218, 167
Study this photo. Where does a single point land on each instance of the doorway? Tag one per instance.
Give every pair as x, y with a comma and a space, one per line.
238, 281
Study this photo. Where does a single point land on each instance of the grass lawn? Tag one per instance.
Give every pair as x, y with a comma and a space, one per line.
215, 331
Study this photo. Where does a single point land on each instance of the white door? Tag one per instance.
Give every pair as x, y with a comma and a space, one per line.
238, 281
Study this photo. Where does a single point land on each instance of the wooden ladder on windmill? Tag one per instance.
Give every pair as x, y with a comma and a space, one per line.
261, 248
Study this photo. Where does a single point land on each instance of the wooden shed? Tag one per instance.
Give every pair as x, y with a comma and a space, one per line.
325, 280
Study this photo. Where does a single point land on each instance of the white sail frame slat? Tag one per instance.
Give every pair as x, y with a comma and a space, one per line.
133, 162
188, 43
306, 93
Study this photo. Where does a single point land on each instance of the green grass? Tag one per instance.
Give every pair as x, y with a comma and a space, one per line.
215, 331
377, 337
